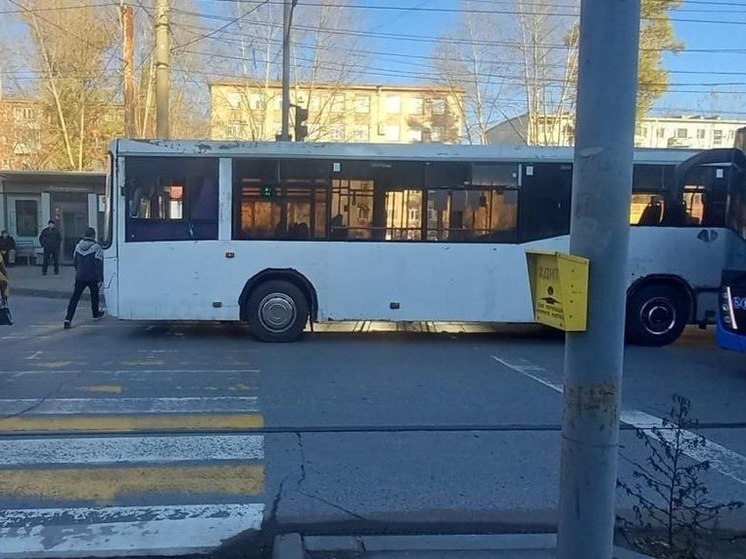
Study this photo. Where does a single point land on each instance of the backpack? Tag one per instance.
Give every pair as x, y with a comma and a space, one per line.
6, 318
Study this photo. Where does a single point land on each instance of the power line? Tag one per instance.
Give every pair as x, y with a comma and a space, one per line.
448, 40
429, 77
222, 27
24, 9
436, 59
376, 7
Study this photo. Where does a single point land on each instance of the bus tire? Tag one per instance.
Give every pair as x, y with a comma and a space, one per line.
656, 315
277, 311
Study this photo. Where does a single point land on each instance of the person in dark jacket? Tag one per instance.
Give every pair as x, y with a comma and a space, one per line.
50, 240
89, 272
7, 244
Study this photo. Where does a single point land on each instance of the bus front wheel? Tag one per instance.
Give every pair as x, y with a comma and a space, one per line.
277, 311
656, 315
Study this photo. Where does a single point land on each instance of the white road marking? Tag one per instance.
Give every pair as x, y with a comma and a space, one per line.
721, 459
123, 531
130, 371
34, 355
122, 406
130, 450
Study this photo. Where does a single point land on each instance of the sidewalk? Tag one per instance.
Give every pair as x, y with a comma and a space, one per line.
475, 546
28, 281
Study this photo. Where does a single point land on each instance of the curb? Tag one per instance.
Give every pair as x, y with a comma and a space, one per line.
295, 546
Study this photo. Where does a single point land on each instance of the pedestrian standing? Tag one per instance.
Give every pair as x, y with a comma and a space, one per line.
89, 272
50, 240
6, 319
7, 248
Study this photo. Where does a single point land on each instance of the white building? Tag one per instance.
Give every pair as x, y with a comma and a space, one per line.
683, 131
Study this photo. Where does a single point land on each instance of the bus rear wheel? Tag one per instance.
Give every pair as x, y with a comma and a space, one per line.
656, 315
277, 311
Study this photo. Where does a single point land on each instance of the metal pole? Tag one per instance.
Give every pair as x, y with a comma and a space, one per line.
287, 11
129, 67
602, 184
162, 69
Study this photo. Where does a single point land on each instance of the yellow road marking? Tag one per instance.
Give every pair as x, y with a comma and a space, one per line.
108, 388
129, 423
53, 364
240, 387
105, 485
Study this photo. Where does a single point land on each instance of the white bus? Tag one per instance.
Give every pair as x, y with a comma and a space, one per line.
277, 234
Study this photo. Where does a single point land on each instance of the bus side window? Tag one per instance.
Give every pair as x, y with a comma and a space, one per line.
171, 199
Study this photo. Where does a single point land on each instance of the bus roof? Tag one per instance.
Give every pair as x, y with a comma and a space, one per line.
360, 151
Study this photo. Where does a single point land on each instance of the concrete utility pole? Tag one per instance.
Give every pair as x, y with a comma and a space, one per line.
287, 19
602, 184
128, 47
162, 69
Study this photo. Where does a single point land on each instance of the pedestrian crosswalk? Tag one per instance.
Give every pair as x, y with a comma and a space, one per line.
124, 476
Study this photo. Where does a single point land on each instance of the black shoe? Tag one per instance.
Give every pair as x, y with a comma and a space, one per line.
66, 325
98, 315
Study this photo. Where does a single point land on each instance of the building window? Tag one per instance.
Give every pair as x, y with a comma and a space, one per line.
171, 199
338, 103
392, 133
415, 135
682, 133
235, 130
661, 132
337, 132
439, 106
280, 200
233, 100
23, 113
257, 103
362, 104
415, 105
437, 133
717, 137
361, 133
27, 218
393, 104
700, 133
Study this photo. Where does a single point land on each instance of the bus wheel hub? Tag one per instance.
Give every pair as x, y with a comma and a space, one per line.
277, 312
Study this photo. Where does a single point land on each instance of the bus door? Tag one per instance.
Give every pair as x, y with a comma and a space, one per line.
731, 325
544, 206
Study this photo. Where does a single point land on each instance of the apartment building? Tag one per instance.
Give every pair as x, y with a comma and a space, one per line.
338, 113
678, 131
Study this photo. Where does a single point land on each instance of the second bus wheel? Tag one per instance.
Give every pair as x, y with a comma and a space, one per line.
277, 311
656, 315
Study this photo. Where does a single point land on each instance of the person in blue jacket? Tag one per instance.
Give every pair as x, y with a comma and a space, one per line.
89, 272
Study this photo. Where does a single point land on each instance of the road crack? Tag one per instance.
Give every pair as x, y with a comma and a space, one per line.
302, 477
54, 392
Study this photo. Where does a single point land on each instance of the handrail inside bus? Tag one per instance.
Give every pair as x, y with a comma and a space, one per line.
732, 156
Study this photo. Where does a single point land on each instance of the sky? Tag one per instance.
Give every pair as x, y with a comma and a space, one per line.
718, 26
708, 77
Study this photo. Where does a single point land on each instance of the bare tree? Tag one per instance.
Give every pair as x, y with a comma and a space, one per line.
469, 65
510, 61
546, 46
324, 62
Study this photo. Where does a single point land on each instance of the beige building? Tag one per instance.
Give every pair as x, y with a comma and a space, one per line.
349, 113
696, 132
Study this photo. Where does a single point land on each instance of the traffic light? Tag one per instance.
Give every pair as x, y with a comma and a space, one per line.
301, 129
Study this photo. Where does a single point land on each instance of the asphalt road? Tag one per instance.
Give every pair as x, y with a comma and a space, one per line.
154, 438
